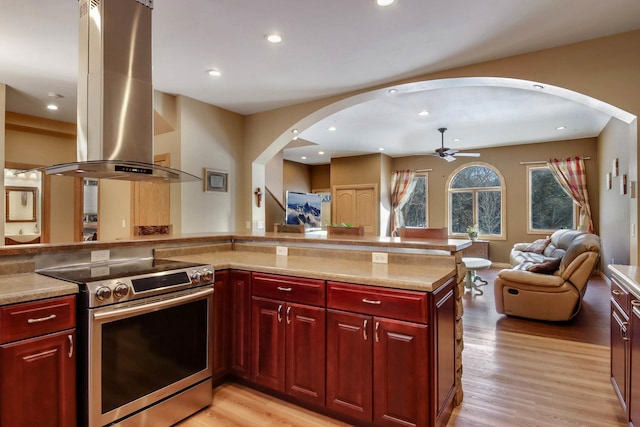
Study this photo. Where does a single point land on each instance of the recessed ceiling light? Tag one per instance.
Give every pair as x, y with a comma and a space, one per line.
537, 86
423, 113
332, 129
304, 157
456, 139
273, 38
561, 128
295, 131
385, 2
214, 73
295, 138
52, 107
321, 153
381, 149
393, 90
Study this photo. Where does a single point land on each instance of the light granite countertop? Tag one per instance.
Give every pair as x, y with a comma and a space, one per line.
420, 277
629, 275
23, 287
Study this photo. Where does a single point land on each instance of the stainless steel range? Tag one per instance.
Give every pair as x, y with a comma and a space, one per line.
144, 341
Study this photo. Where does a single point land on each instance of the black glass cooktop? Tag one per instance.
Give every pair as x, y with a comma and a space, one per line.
91, 272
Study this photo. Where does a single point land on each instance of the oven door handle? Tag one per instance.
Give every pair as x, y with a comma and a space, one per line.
144, 308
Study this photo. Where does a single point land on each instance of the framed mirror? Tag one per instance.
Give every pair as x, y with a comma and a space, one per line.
21, 204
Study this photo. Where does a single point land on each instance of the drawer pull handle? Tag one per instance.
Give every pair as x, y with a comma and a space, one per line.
635, 303
283, 289
41, 319
616, 292
371, 301
364, 329
70, 345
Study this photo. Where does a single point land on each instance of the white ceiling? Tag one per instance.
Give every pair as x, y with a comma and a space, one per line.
329, 48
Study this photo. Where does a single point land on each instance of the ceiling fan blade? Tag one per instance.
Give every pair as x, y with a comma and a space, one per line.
468, 154
450, 151
449, 158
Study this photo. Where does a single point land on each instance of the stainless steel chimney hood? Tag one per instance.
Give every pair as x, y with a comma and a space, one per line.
115, 95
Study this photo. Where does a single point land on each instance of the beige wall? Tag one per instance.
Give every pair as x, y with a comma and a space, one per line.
507, 161
321, 177
606, 69
38, 148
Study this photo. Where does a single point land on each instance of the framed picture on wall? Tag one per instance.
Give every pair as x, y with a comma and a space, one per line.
609, 181
623, 185
615, 168
216, 181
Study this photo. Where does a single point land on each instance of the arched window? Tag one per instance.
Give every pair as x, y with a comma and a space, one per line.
476, 198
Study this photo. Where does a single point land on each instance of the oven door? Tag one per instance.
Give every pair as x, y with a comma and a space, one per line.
145, 351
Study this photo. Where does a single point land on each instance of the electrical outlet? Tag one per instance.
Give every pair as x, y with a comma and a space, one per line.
380, 257
282, 250
260, 225
97, 256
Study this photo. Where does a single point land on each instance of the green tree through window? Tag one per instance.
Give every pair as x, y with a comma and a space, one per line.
414, 211
475, 193
550, 207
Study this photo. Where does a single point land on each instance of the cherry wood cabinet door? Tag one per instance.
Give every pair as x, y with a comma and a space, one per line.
350, 364
400, 373
634, 371
220, 326
619, 354
268, 346
38, 381
305, 352
240, 305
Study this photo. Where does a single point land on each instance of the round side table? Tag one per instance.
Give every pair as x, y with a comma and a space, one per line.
473, 281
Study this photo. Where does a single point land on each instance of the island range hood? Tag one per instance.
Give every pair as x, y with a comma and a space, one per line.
115, 95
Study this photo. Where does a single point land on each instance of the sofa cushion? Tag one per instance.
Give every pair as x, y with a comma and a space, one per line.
548, 266
537, 246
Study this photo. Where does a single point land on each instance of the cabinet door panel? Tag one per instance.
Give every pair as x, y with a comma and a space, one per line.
268, 336
349, 364
305, 352
38, 382
220, 330
634, 374
240, 283
400, 373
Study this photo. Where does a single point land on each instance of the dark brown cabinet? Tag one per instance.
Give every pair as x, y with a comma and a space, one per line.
634, 366
37, 363
220, 329
380, 363
240, 317
288, 348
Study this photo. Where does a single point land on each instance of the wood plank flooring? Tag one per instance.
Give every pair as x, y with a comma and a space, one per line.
516, 373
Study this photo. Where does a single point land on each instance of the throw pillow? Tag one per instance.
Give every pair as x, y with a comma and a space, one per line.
537, 246
548, 266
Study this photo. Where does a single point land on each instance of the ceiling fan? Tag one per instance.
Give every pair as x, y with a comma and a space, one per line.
449, 154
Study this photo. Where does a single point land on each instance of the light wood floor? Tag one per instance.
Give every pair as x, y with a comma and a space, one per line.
512, 377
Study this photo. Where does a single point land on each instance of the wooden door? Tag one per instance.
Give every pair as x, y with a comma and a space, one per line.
151, 201
38, 381
220, 328
345, 205
305, 352
350, 364
240, 307
400, 373
357, 206
268, 343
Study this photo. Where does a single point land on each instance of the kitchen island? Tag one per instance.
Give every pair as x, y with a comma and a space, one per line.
423, 331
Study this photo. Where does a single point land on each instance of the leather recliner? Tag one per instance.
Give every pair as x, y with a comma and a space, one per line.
556, 295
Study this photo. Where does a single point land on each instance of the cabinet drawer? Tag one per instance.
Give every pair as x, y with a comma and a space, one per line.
621, 296
293, 289
393, 303
31, 319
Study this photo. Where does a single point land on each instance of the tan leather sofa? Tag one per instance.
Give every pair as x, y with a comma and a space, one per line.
548, 285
